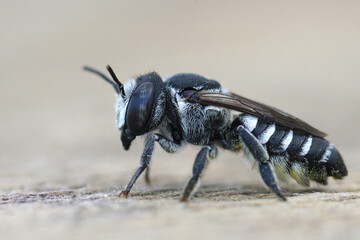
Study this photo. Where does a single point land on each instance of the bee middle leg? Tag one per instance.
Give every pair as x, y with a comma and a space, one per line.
202, 159
147, 176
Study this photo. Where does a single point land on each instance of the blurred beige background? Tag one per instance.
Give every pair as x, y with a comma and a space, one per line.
57, 122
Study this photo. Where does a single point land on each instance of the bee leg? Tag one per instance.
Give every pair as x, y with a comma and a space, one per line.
255, 150
147, 176
165, 143
267, 174
207, 153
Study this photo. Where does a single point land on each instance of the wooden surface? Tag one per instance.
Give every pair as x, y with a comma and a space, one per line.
84, 203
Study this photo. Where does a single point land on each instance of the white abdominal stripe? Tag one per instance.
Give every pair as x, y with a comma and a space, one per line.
325, 157
285, 142
306, 146
266, 134
251, 123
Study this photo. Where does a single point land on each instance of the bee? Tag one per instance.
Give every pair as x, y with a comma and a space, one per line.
189, 108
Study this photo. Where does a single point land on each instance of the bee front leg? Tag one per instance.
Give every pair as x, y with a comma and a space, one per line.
256, 151
166, 144
207, 153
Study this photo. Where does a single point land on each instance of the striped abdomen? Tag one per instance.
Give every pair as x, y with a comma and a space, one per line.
296, 153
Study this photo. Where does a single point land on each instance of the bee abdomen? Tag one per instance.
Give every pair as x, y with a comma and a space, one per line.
298, 154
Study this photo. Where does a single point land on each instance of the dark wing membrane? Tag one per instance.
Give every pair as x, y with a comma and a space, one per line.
245, 105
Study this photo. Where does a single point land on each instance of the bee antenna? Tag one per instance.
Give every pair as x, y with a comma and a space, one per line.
103, 76
120, 85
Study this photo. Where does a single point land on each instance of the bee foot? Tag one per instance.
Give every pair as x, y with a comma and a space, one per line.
123, 194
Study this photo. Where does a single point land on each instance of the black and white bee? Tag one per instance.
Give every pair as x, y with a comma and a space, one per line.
188, 108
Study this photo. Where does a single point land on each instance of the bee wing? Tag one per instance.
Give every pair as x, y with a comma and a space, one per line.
238, 103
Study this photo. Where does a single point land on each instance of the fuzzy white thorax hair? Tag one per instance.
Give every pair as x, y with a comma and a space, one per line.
122, 102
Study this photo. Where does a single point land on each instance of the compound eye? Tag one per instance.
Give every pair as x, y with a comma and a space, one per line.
139, 108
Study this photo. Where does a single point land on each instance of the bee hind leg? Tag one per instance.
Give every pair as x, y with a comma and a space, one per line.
202, 159
267, 174
255, 150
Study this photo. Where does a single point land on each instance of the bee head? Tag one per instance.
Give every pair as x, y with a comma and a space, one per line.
140, 105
